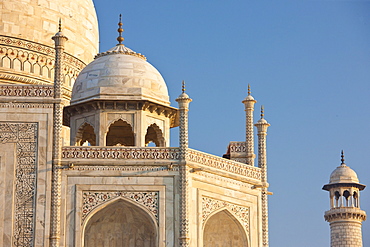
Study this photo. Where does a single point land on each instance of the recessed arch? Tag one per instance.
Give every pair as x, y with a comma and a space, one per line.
120, 223
17, 64
120, 134
223, 229
85, 133
154, 134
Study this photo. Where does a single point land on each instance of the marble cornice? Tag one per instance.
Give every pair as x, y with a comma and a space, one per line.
121, 105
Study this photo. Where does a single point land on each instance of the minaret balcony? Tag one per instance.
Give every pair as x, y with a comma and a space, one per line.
345, 214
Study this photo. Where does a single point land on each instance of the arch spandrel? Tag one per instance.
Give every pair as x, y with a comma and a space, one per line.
211, 206
93, 201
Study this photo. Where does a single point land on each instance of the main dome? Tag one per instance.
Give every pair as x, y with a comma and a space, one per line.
120, 74
37, 21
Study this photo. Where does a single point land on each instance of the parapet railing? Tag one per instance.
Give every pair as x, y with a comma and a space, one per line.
224, 164
96, 152
148, 153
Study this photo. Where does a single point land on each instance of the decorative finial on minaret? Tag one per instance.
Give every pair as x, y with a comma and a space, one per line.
60, 25
262, 112
342, 159
120, 30
183, 87
249, 89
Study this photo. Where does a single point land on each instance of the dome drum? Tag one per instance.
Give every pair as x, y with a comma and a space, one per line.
121, 106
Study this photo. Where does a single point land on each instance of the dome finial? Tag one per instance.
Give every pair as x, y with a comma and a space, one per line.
249, 89
183, 86
120, 30
342, 159
262, 112
60, 25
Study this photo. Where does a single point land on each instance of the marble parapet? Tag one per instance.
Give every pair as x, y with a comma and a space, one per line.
95, 155
218, 164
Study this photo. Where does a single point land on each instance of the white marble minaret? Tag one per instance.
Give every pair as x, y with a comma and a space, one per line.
345, 216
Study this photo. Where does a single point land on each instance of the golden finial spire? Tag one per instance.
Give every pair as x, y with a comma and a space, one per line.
249, 89
183, 86
60, 25
342, 159
120, 30
262, 111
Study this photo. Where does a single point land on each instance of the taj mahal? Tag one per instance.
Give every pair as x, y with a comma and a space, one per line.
85, 155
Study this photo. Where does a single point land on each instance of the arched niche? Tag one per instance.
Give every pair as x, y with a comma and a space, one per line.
86, 134
120, 134
223, 229
154, 134
120, 224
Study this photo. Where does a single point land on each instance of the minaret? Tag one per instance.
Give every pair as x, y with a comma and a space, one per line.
183, 100
345, 216
262, 126
249, 102
59, 40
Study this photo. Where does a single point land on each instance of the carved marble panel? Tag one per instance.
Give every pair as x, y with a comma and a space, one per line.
24, 135
210, 205
93, 199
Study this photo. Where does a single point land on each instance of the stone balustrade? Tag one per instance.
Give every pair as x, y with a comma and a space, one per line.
132, 153
26, 91
94, 152
224, 164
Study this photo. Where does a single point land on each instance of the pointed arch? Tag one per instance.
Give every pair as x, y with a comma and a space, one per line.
120, 133
120, 223
37, 68
6, 62
154, 134
17, 64
45, 71
222, 228
85, 133
27, 66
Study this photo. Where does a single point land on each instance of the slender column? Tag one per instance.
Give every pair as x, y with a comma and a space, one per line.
249, 102
183, 101
262, 126
59, 40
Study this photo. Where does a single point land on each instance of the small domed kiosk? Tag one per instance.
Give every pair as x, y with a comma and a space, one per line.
120, 99
345, 216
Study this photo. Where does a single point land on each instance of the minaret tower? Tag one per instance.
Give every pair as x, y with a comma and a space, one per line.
249, 102
345, 216
262, 126
59, 40
183, 100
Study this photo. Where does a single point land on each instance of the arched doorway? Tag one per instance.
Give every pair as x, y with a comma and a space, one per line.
120, 224
86, 136
154, 135
120, 134
222, 229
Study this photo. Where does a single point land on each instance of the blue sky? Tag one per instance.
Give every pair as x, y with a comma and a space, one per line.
308, 63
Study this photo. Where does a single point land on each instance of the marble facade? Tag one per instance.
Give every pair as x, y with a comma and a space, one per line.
116, 191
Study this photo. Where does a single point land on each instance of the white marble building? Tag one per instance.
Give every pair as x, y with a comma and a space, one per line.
84, 145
